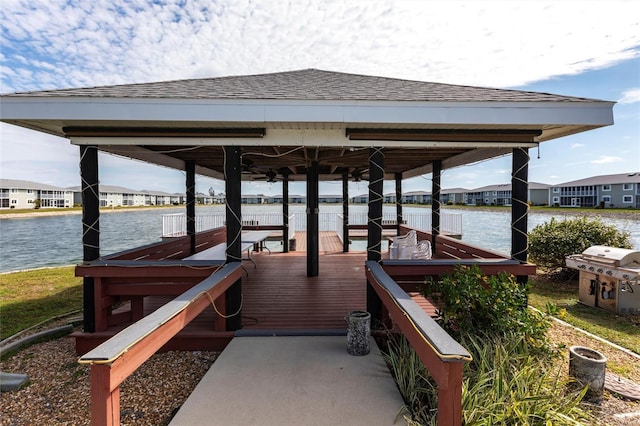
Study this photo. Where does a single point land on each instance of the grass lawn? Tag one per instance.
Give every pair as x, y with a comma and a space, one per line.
562, 297
30, 297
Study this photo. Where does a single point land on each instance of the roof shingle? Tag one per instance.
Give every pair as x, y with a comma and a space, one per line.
309, 84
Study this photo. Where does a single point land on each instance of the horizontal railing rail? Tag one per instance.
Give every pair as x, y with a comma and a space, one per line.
175, 225
443, 357
117, 358
453, 248
417, 270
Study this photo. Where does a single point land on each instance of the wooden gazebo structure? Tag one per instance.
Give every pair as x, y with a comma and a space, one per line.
307, 125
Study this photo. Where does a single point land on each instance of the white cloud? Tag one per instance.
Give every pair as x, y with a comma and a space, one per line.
55, 44
577, 145
630, 96
103, 42
607, 159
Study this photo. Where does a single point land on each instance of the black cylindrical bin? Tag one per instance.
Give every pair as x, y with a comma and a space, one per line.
358, 332
589, 368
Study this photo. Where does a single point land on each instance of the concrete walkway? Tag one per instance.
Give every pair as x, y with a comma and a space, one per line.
293, 381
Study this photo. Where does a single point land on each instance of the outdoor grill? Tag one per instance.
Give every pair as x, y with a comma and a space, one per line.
609, 278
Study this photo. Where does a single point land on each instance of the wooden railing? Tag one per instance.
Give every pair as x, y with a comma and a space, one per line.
175, 248
152, 270
117, 358
443, 357
447, 247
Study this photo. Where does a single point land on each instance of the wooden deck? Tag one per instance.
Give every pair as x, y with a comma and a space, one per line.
277, 295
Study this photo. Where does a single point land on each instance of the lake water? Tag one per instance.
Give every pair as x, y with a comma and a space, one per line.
39, 241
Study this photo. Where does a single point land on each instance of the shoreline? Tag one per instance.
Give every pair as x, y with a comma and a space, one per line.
612, 213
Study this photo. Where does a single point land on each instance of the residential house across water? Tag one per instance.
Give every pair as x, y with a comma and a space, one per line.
24, 194
608, 191
620, 190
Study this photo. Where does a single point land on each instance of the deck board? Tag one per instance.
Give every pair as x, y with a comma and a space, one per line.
279, 295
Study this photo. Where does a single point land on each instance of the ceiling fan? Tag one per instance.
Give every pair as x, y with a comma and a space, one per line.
270, 176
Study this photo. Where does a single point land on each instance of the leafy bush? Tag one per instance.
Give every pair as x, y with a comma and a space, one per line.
551, 242
472, 302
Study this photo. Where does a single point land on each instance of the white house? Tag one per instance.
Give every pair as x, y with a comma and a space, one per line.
620, 190
23, 194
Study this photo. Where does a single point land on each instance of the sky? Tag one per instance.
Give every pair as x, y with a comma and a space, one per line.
578, 48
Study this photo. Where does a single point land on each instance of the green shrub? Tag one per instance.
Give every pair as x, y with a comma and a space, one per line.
551, 242
472, 302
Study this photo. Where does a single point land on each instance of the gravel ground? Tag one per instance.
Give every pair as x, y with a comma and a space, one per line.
565, 337
59, 388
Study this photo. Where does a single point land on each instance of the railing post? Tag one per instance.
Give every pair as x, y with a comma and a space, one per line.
105, 402
190, 166
450, 396
399, 217
435, 204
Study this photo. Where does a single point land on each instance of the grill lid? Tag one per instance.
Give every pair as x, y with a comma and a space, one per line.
617, 256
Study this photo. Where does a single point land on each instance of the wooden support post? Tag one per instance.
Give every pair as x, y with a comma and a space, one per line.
450, 395
313, 240
519, 207
399, 219
285, 213
435, 204
345, 212
90, 227
105, 401
232, 178
190, 166
374, 226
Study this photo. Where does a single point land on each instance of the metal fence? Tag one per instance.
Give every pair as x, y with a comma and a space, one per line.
175, 225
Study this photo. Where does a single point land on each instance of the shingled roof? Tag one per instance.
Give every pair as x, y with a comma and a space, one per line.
309, 84
285, 120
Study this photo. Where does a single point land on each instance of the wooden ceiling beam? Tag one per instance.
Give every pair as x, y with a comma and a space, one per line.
149, 132
445, 135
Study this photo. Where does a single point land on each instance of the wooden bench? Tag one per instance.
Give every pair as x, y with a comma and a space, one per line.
219, 252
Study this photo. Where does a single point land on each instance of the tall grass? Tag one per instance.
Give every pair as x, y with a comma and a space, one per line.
506, 384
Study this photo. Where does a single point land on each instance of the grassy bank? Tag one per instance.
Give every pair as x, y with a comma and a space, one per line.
30, 297
561, 300
75, 210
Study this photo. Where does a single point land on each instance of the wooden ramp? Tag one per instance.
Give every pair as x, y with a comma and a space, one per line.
293, 381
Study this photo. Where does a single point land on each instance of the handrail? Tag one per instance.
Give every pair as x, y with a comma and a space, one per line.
446, 348
117, 358
442, 356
